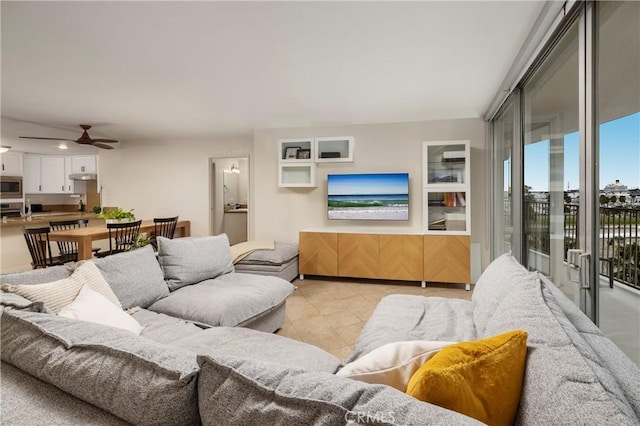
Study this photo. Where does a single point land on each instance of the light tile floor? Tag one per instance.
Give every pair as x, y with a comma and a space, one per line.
331, 313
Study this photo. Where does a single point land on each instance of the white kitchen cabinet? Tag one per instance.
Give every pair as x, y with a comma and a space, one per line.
47, 174
32, 174
84, 164
52, 174
69, 184
11, 163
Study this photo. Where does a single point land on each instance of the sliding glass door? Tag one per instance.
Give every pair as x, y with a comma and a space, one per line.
552, 164
618, 136
567, 182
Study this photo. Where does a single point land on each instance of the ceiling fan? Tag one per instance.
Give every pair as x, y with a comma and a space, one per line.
85, 139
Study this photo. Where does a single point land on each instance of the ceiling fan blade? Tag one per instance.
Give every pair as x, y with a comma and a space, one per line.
106, 140
47, 139
100, 145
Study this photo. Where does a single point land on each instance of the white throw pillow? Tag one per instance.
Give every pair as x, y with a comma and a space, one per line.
392, 364
93, 307
58, 294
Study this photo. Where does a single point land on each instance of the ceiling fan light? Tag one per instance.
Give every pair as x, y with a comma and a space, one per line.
4, 148
62, 146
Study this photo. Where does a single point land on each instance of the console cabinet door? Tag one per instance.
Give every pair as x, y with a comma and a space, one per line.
359, 255
447, 259
401, 257
318, 253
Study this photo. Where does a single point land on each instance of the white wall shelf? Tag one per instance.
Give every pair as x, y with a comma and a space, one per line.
296, 150
297, 175
296, 168
334, 149
446, 188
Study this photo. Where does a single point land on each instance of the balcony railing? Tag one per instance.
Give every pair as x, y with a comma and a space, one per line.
619, 239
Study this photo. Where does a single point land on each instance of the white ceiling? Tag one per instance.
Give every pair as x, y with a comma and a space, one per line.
140, 70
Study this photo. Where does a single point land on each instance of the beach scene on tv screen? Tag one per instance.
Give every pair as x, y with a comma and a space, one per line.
375, 196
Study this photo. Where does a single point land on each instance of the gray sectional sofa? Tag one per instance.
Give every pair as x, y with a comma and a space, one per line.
182, 371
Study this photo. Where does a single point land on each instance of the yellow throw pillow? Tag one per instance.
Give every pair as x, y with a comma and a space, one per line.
481, 379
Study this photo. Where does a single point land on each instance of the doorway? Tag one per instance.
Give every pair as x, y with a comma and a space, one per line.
229, 206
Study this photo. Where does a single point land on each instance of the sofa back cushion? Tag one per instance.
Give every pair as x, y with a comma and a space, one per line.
38, 276
134, 276
619, 376
240, 391
35, 276
58, 294
558, 385
134, 378
187, 261
499, 279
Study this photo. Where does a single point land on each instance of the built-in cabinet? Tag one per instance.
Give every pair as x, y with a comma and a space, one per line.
297, 158
11, 163
407, 257
49, 174
446, 188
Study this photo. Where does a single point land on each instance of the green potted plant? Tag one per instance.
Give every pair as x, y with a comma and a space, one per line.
117, 215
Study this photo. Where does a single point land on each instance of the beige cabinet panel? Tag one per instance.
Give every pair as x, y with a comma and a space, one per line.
447, 259
401, 257
359, 255
318, 253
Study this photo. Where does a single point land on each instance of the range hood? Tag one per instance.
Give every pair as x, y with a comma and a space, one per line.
83, 176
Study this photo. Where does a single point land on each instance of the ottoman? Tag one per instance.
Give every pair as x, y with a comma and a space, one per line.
280, 261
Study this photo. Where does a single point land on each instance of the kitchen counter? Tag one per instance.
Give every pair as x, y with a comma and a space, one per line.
43, 219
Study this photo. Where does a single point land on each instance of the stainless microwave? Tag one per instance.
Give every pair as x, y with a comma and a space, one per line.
11, 186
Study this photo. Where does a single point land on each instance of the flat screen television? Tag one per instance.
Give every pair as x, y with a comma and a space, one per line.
370, 196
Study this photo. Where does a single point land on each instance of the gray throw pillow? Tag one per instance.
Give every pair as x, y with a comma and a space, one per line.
134, 378
241, 391
282, 253
134, 276
187, 261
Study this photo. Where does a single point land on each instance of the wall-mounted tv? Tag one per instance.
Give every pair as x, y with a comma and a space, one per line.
371, 196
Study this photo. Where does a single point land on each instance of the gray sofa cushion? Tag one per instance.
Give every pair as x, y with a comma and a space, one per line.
558, 383
235, 391
257, 345
607, 361
29, 401
404, 317
38, 276
127, 375
282, 253
12, 300
163, 328
495, 283
230, 300
187, 261
134, 276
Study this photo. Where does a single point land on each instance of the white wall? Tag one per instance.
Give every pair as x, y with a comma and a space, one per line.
280, 213
165, 177
170, 177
